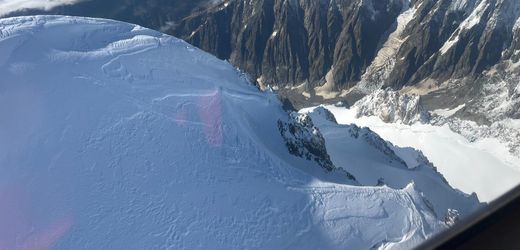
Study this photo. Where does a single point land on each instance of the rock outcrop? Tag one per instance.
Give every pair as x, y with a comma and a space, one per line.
286, 43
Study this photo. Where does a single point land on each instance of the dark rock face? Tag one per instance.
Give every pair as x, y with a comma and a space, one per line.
304, 140
291, 42
467, 46
287, 43
454, 39
154, 14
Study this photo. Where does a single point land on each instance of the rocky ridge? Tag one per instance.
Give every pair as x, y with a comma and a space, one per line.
455, 49
287, 43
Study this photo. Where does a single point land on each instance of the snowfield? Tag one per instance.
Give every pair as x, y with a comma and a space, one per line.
485, 167
118, 137
388, 164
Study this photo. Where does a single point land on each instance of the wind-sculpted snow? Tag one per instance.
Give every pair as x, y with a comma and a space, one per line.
118, 137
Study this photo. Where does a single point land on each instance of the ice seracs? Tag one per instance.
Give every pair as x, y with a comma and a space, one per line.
393, 106
471, 157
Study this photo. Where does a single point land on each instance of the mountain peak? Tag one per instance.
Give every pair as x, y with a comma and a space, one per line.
120, 131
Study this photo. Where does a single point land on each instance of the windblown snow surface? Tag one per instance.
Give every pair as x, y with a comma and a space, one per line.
113, 136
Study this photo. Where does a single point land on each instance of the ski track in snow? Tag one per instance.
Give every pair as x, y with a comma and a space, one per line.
125, 138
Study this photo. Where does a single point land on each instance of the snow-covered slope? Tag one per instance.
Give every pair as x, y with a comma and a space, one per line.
484, 165
472, 156
118, 137
388, 164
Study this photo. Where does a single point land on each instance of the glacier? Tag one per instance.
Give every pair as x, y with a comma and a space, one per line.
114, 136
471, 158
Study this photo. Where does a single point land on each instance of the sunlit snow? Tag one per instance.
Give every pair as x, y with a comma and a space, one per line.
484, 167
118, 137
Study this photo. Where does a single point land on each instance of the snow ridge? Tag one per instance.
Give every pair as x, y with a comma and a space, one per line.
389, 165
